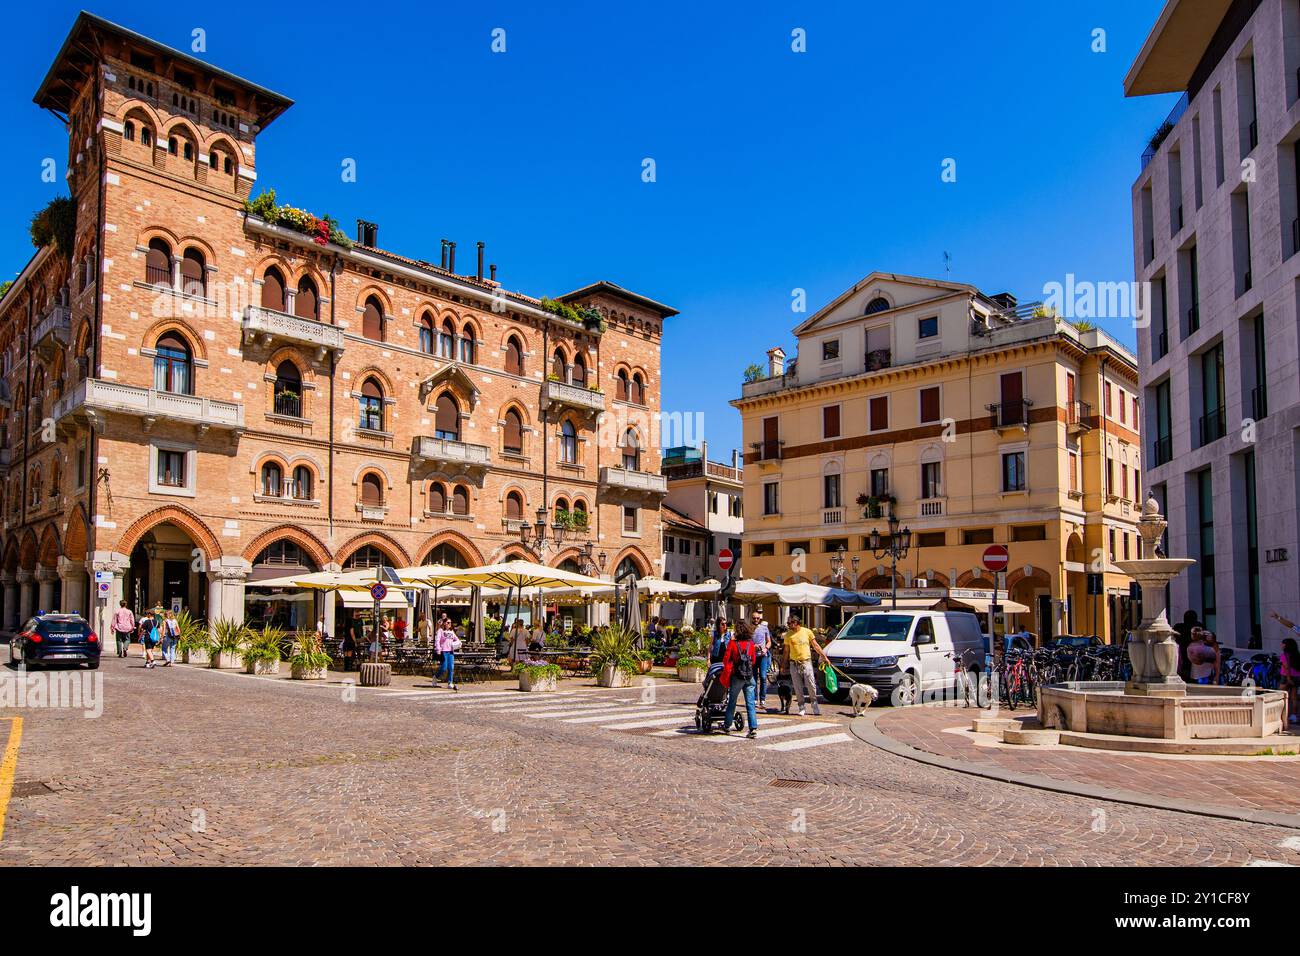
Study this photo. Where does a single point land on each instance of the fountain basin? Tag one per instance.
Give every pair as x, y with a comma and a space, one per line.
1202, 713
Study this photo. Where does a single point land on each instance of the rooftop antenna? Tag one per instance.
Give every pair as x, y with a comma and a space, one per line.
947, 264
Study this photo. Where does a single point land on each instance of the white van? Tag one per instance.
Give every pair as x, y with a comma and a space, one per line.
900, 652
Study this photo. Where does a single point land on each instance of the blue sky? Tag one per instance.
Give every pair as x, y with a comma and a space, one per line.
775, 170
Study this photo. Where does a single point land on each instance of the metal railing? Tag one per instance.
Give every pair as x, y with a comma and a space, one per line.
1078, 412
288, 404
1259, 402
1193, 318
768, 449
1164, 129
1011, 414
877, 359
157, 275
1162, 449
1213, 425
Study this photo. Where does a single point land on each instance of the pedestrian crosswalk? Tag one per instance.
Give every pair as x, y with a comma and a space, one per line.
606, 711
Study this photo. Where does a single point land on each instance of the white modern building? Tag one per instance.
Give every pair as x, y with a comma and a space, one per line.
709, 493
1216, 230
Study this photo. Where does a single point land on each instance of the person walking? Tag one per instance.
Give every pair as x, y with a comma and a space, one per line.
447, 644
149, 638
1291, 677
739, 671
349, 646
800, 645
171, 633
763, 646
1184, 629
721, 637
518, 641
123, 627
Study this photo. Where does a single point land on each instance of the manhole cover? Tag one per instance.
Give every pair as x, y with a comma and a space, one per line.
32, 788
789, 784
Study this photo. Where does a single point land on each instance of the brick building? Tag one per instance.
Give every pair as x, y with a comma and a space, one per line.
201, 397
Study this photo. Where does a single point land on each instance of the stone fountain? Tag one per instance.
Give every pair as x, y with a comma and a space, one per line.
1155, 710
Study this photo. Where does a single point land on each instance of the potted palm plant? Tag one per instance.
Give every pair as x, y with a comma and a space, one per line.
692, 664
537, 678
613, 657
228, 639
261, 652
195, 643
309, 660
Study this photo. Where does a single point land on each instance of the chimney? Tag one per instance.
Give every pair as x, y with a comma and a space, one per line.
367, 233
493, 267
480, 262
444, 254
451, 261
735, 458
775, 362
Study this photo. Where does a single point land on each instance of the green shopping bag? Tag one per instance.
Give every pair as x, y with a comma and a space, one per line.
831, 681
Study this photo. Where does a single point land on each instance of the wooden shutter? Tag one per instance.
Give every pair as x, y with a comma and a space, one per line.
879, 413
514, 440
305, 303
372, 322
437, 498
273, 291
460, 500
1013, 390
192, 277
831, 421
447, 417
930, 404
514, 357
371, 491
514, 506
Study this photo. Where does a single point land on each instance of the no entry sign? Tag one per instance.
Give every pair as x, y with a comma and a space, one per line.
726, 559
996, 558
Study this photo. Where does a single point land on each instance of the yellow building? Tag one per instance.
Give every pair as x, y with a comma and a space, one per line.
985, 421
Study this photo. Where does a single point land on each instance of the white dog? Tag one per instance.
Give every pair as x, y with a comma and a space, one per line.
862, 696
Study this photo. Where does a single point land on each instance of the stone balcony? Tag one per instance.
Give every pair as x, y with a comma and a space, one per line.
54, 328
95, 397
450, 458
265, 326
636, 482
574, 396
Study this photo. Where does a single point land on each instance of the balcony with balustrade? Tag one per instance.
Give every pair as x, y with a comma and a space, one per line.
1078, 416
628, 480
92, 398
54, 329
266, 326
555, 392
448, 457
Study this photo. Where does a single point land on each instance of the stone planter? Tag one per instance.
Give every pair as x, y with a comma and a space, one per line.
644, 667
299, 672
201, 657
376, 675
226, 660
611, 676
540, 685
262, 667
691, 673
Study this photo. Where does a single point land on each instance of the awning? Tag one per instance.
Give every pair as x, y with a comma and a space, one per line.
395, 599
982, 605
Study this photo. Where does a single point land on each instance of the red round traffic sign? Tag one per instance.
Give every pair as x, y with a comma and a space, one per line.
996, 558
725, 558
378, 591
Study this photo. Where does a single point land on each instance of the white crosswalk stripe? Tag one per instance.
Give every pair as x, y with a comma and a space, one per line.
641, 724
787, 727
805, 742
600, 717
572, 712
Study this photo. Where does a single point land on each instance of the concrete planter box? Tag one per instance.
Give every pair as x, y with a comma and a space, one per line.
203, 657
611, 676
226, 660
297, 672
540, 685
692, 673
262, 667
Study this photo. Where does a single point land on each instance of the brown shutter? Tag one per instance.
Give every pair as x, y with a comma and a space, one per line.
371, 492
620, 390
557, 365
437, 498
514, 432
514, 506
879, 413
447, 417
305, 303
372, 322
273, 291
1012, 388
579, 371
831, 421
514, 358
192, 277
460, 500
930, 404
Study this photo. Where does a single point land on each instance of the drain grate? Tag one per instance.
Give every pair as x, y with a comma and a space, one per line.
32, 788
787, 783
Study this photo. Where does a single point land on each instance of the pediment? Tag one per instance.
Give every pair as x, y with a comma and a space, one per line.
456, 376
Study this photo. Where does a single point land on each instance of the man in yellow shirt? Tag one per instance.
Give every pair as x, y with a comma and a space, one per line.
800, 644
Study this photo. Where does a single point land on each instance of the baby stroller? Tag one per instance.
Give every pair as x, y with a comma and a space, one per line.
712, 704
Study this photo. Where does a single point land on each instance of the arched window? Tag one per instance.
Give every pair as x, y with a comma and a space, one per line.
447, 340
194, 275
437, 498
272, 480
146, 136
288, 390
302, 483
158, 263
636, 393
372, 406
579, 371
187, 150
621, 386
447, 555
446, 418
173, 365
559, 368
568, 443
514, 506
514, 356
878, 304
372, 320
128, 131
467, 344
428, 336
306, 304
513, 442
460, 500
273, 290
579, 514
171, 145
368, 557
631, 451
372, 489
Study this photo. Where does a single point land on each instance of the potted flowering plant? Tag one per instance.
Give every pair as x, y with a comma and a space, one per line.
536, 677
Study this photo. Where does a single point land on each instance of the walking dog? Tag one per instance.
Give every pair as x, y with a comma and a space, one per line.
862, 696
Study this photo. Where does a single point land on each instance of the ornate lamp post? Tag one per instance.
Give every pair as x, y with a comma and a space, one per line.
894, 546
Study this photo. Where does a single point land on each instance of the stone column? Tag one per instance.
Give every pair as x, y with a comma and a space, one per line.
103, 605
45, 578
73, 574
26, 596
10, 583
226, 577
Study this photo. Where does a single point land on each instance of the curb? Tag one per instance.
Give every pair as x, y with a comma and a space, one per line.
864, 728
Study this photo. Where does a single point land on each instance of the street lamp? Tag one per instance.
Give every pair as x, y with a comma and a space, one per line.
894, 546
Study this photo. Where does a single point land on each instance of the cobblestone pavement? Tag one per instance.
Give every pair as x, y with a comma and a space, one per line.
191, 766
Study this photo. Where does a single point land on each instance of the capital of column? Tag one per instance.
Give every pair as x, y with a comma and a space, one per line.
47, 575
71, 570
230, 570
110, 561
25, 577
8, 579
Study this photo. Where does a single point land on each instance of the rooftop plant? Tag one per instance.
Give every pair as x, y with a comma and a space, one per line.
323, 230
56, 225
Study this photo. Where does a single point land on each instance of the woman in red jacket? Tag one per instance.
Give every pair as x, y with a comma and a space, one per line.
739, 675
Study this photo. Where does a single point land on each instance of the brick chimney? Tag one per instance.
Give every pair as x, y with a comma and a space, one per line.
776, 362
